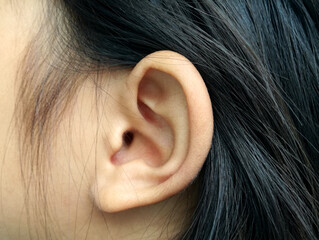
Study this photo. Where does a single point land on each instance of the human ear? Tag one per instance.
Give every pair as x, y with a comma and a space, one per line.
160, 132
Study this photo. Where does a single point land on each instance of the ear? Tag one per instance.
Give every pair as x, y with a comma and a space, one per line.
159, 133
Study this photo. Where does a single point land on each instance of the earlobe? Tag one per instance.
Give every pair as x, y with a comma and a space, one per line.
163, 125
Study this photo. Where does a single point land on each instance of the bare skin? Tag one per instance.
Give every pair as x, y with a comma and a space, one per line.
75, 214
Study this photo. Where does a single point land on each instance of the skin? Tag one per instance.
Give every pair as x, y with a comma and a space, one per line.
13, 41
75, 215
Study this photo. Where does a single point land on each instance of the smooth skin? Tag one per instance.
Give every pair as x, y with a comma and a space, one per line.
101, 185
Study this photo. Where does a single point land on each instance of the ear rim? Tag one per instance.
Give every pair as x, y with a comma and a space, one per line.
159, 61
170, 62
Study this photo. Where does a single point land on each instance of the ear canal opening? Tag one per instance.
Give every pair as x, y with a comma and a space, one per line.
128, 138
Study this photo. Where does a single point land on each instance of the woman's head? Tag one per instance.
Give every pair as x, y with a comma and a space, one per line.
107, 121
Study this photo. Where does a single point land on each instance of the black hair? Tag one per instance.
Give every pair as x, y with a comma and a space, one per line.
259, 60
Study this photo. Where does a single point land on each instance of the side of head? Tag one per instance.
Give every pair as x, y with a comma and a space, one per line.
199, 113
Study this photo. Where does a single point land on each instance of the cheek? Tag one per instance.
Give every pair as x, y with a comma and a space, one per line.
74, 152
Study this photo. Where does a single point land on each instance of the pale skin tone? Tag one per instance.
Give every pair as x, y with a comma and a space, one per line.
85, 199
